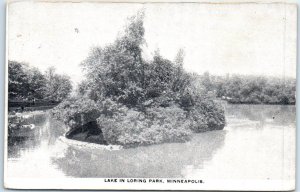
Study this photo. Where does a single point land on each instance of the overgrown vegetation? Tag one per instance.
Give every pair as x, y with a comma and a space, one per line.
139, 102
251, 89
28, 83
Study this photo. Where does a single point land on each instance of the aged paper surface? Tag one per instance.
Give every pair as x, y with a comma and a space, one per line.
167, 96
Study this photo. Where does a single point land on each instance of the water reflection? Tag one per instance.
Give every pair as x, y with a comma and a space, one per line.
19, 140
165, 160
29, 155
261, 114
251, 146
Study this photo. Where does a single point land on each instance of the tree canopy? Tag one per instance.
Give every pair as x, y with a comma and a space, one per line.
118, 71
27, 83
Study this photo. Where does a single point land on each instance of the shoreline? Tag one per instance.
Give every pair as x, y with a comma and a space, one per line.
250, 103
37, 112
80, 144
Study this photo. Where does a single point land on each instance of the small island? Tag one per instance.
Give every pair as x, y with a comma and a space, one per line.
130, 101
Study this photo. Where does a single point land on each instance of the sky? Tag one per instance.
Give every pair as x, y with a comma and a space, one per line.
254, 39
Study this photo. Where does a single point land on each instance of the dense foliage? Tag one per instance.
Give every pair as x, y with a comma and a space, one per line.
140, 102
251, 89
131, 127
27, 83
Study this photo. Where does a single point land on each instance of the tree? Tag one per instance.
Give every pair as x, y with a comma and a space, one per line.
18, 83
37, 82
28, 83
119, 72
206, 81
115, 69
179, 59
58, 87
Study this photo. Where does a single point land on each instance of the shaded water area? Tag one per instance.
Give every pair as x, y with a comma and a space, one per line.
250, 147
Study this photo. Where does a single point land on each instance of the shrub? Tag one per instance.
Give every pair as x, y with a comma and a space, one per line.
76, 111
207, 115
157, 125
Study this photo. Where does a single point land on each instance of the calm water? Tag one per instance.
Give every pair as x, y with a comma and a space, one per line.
250, 147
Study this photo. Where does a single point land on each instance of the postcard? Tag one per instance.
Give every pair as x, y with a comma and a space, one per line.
150, 95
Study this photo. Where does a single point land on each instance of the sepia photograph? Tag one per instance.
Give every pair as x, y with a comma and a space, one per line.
157, 96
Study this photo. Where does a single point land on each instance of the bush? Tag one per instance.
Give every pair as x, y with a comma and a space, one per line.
76, 111
133, 128
207, 116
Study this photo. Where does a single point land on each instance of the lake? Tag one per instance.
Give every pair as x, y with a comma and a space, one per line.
251, 146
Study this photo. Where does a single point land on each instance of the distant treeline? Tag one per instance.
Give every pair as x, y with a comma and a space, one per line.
250, 89
29, 84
